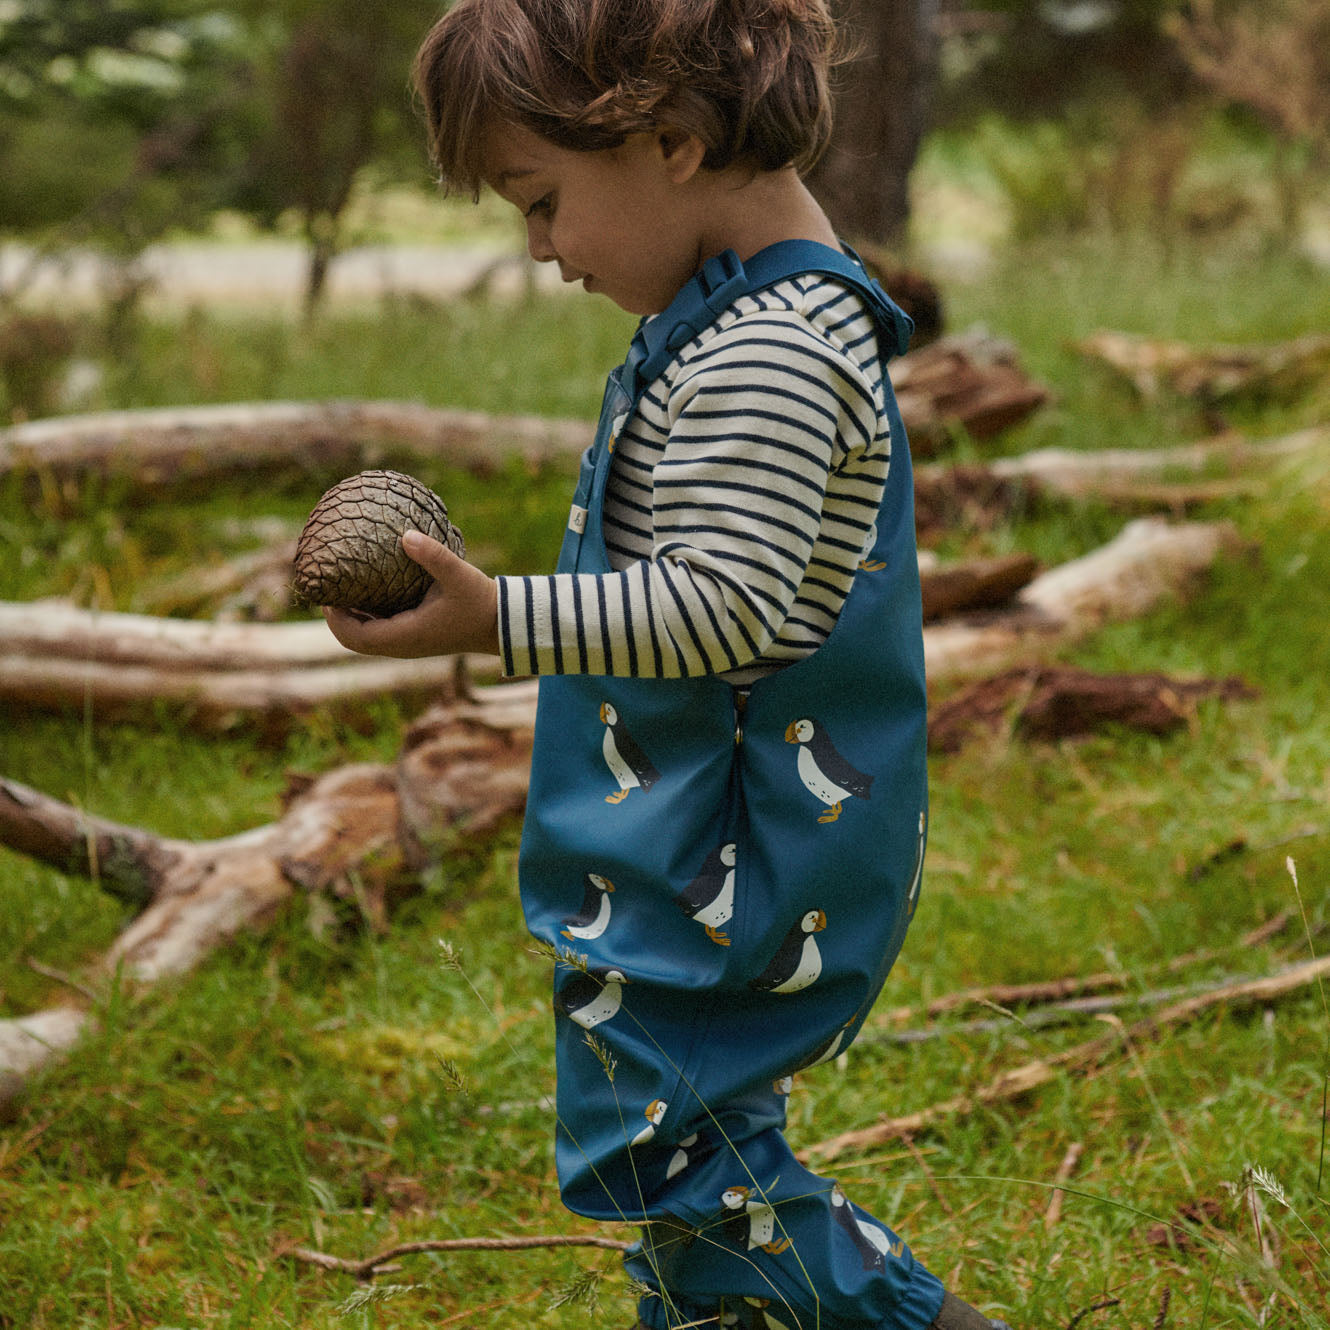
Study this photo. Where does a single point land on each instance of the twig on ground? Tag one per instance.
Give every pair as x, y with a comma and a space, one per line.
60, 977
1093, 1307
372, 1265
919, 1159
1071, 986
1089, 1054
1162, 1317
1065, 1170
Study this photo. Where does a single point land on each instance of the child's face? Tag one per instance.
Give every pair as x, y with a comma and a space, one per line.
623, 221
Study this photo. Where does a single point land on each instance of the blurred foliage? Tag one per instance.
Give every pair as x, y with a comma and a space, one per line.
117, 121
1033, 59
120, 122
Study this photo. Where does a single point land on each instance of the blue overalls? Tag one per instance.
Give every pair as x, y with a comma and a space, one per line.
728, 875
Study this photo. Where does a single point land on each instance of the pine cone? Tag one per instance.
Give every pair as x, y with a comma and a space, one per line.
350, 553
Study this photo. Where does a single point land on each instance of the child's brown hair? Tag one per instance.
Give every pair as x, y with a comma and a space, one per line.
748, 77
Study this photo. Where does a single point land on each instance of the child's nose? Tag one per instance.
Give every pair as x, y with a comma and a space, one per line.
538, 240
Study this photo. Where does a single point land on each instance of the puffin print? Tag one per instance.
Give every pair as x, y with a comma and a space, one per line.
797, 962
594, 916
825, 773
628, 764
832, 1048
871, 1242
769, 1319
866, 561
753, 1223
917, 880
709, 897
680, 1159
592, 997
654, 1112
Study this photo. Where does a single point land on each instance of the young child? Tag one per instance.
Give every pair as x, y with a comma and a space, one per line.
725, 830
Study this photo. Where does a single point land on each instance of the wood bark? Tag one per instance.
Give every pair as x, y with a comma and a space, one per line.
1149, 561
979, 496
168, 445
968, 382
1058, 702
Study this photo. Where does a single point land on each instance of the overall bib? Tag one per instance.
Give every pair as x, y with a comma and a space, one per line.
727, 875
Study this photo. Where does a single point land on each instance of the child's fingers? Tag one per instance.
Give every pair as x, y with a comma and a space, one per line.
435, 558
358, 632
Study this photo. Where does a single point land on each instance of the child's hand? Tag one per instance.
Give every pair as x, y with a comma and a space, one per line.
460, 611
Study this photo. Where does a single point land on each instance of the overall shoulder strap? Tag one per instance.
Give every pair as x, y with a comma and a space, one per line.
723, 279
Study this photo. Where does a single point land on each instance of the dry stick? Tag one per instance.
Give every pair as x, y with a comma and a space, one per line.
1054, 990
1021, 1080
365, 1269
1065, 1170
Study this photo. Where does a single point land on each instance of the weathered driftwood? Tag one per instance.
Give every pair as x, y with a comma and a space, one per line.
975, 584
1211, 373
54, 657
982, 495
1056, 702
164, 445
251, 587
968, 381
1149, 561
1089, 1054
358, 833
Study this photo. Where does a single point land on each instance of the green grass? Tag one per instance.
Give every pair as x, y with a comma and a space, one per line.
294, 1088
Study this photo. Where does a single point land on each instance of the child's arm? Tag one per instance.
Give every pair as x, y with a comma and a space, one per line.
459, 612
735, 518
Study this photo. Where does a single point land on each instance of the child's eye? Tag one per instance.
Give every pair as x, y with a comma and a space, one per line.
542, 207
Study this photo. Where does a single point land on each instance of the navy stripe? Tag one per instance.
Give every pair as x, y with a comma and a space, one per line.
554, 619
505, 639
580, 622
606, 648
657, 660
629, 628
687, 623
527, 587
734, 487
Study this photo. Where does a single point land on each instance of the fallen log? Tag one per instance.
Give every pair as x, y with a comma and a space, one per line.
1019, 1081
976, 584
159, 446
1211, 373
979, 496
969, 381
1149, 561
358, 834
1057, 702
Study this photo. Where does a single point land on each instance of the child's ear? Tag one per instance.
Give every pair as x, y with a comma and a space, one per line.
681, 152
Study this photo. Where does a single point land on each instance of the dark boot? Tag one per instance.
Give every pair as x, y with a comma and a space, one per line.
958, 1315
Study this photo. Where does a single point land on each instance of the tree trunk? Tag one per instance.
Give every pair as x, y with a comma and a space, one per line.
883, 100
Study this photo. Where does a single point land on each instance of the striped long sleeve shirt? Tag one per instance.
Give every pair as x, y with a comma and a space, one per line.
741, 495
